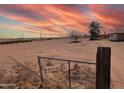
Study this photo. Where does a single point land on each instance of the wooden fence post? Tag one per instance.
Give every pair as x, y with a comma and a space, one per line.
69, 74
103, 64
40, 68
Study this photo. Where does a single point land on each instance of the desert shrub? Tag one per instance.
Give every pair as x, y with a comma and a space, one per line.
49, 64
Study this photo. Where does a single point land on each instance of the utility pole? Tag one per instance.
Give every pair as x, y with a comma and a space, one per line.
40, 34
22, 35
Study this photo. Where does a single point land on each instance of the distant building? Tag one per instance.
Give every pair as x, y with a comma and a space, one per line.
117, 36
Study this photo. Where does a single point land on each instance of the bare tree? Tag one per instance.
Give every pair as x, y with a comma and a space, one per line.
75, 36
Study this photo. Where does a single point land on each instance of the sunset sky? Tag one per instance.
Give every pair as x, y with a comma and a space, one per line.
57, 20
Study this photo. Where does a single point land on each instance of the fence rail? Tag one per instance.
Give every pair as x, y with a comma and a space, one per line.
68, 60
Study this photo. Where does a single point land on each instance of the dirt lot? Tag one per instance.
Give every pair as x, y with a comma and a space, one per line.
12, 56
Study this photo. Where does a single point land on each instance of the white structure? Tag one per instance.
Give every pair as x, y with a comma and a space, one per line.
117, 36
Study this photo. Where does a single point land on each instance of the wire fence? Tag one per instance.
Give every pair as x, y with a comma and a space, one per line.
62, 73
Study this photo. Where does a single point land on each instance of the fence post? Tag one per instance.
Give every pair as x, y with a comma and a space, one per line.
69, 74
40, 68
103, 67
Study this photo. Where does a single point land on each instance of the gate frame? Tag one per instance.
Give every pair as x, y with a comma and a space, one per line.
68, 62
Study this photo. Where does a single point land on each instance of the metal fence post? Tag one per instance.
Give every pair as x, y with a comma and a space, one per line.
40, 68
103, 67
69, 74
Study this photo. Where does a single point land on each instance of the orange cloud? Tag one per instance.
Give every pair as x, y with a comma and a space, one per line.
109, 16
60, 19
54, 15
